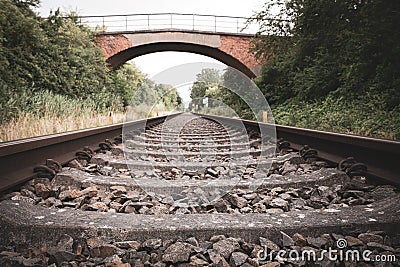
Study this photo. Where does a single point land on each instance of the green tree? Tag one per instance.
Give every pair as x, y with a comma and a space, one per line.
125, 81
206, 84
317, 50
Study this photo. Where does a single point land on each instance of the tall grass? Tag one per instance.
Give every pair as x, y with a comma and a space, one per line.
45, 113
365, 116
29, 125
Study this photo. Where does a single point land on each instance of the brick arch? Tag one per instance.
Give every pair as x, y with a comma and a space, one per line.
232, 50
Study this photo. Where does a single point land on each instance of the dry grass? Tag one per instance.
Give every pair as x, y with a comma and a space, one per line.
29, 125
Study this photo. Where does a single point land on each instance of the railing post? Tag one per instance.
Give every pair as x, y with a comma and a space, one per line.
148, 21
237, 25
215, 23
171, 21
104, 26
126, 23
193, 22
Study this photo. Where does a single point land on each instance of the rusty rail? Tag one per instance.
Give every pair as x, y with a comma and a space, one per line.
380, 156
19, 158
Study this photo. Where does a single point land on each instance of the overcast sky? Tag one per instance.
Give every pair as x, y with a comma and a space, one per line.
107, 7
154, 63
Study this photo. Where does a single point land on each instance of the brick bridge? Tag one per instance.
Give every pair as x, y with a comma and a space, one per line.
202, 34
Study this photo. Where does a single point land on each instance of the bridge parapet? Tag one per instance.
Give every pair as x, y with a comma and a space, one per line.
169, 21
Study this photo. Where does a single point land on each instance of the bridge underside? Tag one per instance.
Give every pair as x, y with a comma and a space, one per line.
231, 49
120, 58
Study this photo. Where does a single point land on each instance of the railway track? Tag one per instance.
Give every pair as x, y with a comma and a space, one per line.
199, 190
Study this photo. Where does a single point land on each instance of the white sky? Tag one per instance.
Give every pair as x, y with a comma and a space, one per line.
157, 62
107, 7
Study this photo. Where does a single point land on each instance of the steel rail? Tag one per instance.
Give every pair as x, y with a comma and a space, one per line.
381, 156
18, 158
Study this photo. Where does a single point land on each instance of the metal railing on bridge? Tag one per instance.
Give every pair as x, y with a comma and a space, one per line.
168, 21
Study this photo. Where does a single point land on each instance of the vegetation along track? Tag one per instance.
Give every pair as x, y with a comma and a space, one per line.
152, 200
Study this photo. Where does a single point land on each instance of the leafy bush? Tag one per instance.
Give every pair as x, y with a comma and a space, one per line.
332, 65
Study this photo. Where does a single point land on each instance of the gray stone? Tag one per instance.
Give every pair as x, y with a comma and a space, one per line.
178, 252
42, 180
324, 190
250, 196
286, 240
118, 190
277, 190
357, 201
182, 211
266, 243
59, 256
279, 203
114, 261
317, 242
216, 238
159, 209
380, 247
90, 191
128, 244
285, 196
100, 206
152, 244
193, 241
196, 262
115, 205
75, 164
299, 240
9, 254
271, 264
217, 259
237, 259
369, 237
168, 200
246, 210
337, 236
353, 241
226, 246
65, 243
288, 167
42, 190
27, 193
237, 201
102, 250
220, 205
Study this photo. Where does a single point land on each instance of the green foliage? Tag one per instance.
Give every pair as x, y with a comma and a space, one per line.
320, 52
206, 83
54, 55
150, 94
48, 63
125, 81
222, 91
363, 116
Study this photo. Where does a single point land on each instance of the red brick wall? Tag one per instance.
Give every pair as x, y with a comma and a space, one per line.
113, 44
238, 47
